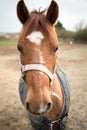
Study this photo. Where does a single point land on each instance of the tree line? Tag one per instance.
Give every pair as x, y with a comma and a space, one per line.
79, 35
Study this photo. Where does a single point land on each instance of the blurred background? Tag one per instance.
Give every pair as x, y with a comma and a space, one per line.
72, 18
72, 58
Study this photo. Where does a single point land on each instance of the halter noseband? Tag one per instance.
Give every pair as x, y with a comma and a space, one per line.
38, 67
42, 68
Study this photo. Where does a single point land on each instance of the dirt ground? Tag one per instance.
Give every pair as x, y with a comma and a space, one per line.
72, 60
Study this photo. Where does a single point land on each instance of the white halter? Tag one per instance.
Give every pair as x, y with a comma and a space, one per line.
38, 67
42, 68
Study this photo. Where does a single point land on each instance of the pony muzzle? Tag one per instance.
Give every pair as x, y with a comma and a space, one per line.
41, 109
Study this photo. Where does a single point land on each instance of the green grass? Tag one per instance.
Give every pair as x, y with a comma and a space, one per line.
12, 42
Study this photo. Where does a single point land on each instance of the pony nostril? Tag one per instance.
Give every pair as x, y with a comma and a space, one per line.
28, 106
49, 105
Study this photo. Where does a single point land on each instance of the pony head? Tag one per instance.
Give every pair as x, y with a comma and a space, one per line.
38, 45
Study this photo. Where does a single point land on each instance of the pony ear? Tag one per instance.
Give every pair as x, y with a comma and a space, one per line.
22, 11
52, 13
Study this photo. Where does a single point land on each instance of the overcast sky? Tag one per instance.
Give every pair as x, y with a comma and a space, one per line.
72, 12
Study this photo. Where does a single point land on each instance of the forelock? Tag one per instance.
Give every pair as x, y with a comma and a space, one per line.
38, 21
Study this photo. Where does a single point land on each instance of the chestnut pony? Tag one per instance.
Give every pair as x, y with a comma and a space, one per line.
38, 44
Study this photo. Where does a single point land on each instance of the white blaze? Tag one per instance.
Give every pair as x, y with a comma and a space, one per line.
35, 37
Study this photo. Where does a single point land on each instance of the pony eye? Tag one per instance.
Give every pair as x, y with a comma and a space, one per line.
56, 48
20, 48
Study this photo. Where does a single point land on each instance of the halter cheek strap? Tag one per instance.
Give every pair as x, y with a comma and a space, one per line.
38, 67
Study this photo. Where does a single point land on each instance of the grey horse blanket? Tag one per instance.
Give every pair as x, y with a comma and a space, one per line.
41, 122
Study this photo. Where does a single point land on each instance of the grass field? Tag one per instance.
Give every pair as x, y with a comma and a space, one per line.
12, 42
